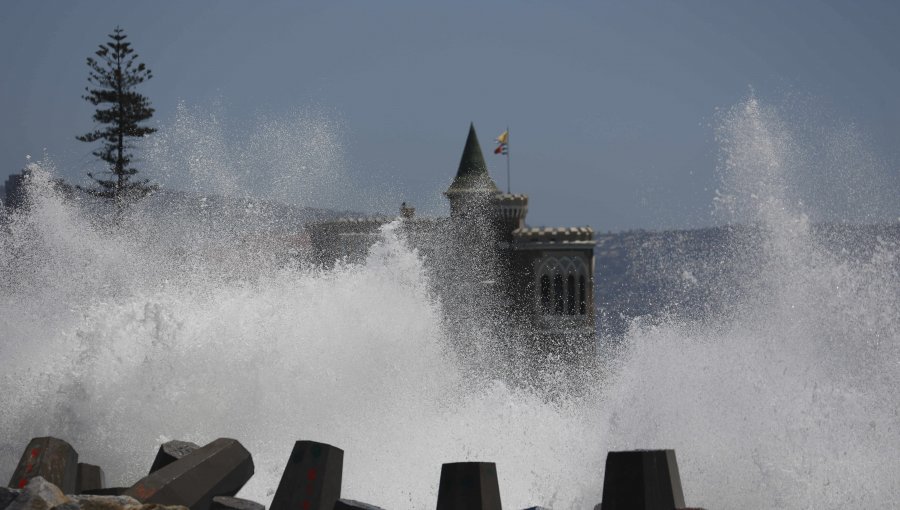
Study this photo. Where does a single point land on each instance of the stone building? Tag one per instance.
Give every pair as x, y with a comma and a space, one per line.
489, 265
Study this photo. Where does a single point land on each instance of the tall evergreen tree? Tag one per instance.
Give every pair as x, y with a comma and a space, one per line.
113, 77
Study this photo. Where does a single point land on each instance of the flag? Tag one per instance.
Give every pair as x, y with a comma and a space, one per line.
502, 143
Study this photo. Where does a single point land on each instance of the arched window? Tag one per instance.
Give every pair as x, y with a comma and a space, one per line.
545, 294
570, 295
561, 286
582, 295
557, 294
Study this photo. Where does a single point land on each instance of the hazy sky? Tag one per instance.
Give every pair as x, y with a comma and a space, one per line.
611, 105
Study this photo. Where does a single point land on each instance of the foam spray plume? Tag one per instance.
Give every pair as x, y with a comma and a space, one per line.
168, 324
165, 326
786, 399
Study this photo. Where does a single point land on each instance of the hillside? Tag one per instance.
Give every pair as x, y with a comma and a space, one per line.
695, 274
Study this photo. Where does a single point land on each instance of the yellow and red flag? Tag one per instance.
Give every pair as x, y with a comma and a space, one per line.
502, 143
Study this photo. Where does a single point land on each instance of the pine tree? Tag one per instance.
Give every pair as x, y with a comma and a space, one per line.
114, 75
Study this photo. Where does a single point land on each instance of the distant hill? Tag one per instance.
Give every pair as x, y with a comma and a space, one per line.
267, 216
694, 274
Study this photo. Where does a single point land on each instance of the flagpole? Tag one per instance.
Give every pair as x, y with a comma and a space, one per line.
508, 184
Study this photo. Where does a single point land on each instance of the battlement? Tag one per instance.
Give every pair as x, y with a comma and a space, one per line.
543, 276
564, 235
512, 208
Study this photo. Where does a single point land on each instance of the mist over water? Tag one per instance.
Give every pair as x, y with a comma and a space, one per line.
169, 324
787, 399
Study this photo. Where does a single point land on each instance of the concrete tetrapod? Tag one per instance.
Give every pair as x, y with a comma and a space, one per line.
311, 479
50, 458
171, 451
229, 503
642, 480
349, 504
219, 468
90, 477
469, 486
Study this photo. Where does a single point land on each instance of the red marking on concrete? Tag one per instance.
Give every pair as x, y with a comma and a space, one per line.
22, 483
35, 452
306, 504
311, 474
142, 493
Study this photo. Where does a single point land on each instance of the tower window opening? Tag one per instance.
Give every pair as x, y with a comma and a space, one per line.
570, 295
545, 293
558, 305
582, 295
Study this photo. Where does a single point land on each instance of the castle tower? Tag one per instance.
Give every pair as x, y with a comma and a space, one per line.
472, 189
538, 282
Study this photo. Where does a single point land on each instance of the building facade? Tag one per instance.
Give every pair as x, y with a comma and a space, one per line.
489, 265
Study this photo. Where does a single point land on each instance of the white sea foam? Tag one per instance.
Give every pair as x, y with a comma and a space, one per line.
788, 400
172, 326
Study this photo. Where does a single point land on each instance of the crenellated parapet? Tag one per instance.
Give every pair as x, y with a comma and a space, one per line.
512, 208
487, 263
562, 235
350, 236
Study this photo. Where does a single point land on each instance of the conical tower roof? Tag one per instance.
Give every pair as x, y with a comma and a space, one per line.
472, 175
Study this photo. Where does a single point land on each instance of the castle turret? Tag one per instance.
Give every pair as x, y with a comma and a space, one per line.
510, 212
473, 188
538, 283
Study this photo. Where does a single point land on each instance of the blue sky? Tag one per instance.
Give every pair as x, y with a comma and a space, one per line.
611, 105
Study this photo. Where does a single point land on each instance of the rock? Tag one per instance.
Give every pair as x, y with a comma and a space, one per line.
642, 480
349, 504
89, 477
7, 496
170, 452
88, 502
469, 486
219, 468
229, 503
106, 491
39, 494
50, 458
311, 479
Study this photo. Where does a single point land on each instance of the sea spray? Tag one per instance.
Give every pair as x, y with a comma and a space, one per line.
170, 322
118, 339
788, 399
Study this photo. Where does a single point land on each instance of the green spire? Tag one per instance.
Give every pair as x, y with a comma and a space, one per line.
472, 175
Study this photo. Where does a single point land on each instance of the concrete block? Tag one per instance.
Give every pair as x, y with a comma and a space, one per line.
88, 477
219, 468
469, 486
642, 480
50, 458
349, 504
171, 451
311, 479
229, 503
